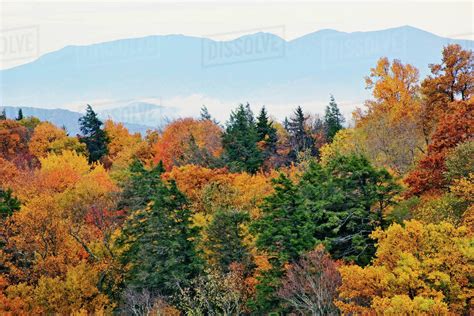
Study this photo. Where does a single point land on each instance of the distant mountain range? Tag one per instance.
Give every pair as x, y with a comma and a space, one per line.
173, 75
68, 119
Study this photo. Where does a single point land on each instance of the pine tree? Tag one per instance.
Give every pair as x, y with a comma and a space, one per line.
205, 115
94, 136
333, 119
158, 241
284, 231
226, 239
142, 184
300, 138
347, 200
239, 141
266, 133
8, 203
3, 115
20, 115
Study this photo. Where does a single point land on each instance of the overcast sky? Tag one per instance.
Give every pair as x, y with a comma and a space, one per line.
49, 26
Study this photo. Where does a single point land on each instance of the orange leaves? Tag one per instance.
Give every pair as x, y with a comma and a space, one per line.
13, 141
454, 128
210, 189
174, 143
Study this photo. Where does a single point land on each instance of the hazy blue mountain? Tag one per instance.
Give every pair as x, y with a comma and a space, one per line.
141, 113
260, 66
60, 118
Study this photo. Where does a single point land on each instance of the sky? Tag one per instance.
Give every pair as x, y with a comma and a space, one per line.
30, 29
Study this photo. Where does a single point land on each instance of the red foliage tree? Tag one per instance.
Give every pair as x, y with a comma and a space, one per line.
454, 128
310, 285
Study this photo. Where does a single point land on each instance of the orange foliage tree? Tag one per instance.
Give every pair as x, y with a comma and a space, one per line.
451, 80
454, 128
14, 142
180, 138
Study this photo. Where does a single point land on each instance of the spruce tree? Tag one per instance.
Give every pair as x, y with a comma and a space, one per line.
3, 115
333, 119
239, 141
284, 231
226, 239
140, 187
158, 241
347, 200
8, 203
94, 136
20, 115
205, 115
300, 138
266, 133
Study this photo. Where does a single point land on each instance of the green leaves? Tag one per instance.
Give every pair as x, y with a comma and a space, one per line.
240, 142
94, 136
8, 203
333, 119
157, 240
338, 205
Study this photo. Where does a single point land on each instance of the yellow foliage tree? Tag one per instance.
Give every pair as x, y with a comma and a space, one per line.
47, 138
390, 124
123, 148
418, 269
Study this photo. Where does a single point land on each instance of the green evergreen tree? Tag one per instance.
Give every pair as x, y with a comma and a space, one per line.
158, 241
3, 115
20, 115
226, 239
94, 136
8, 203
239, 142
141, 186
333, 119
266, 133
284, 231
347, 200
205, 115
300, 137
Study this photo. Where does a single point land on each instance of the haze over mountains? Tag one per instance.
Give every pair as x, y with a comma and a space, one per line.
143, 80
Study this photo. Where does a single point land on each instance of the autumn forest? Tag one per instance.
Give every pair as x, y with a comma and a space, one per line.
316, 214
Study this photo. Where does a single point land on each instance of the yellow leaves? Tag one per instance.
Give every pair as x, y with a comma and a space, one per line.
345, 142
251, 190
394, 87
76, 293
403, 305
47, 138
418, 268
464, 188
123, 148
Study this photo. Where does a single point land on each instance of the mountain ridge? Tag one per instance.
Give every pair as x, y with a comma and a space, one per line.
261, 68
